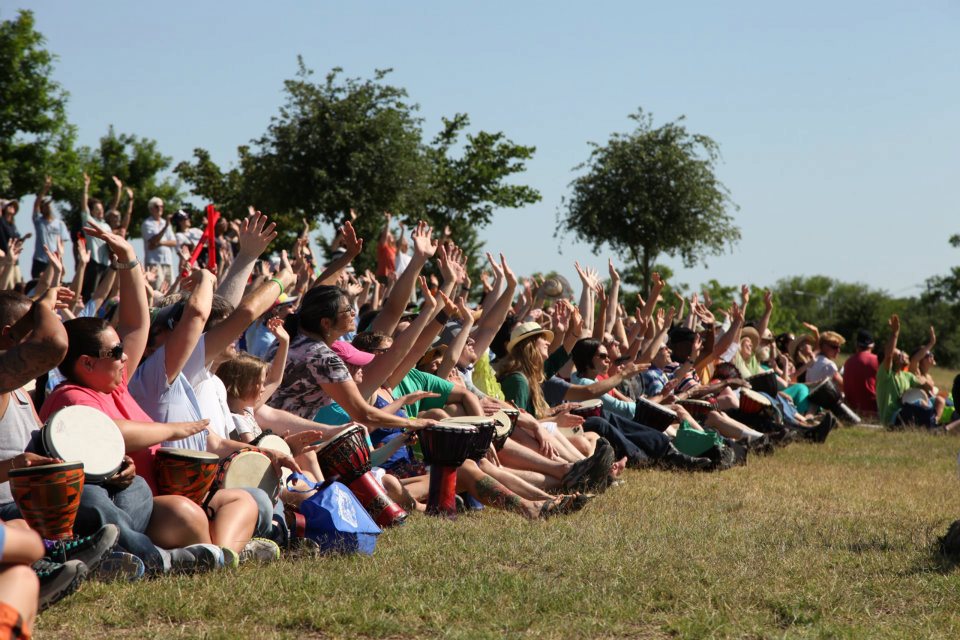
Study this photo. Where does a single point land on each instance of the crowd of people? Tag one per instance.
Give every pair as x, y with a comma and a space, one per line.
180, 355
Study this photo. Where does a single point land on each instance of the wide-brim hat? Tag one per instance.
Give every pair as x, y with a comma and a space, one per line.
753, 334
798, 342
524, 330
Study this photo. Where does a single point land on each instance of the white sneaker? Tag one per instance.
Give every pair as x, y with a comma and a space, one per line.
260, 550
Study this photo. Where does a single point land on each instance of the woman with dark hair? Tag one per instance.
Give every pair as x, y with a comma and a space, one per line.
315, 376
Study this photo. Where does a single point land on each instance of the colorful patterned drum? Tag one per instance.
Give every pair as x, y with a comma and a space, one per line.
48, 497
183, 472
346, 457
486, 431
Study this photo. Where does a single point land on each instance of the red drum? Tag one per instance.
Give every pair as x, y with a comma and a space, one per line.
589, 409
184, 472
765, 382
654, 415
48, 497
346, 456
85, 434
752, 403
699, 409
445, 448
486, 432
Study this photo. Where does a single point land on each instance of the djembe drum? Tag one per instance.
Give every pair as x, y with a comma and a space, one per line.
346, 456
246, 469
698, 409
486, 432
753, 403
589, 409
48, 497
764, 382
445, 447
505, 429
270, 440
826, 394
184, 472
87, 435
653, 415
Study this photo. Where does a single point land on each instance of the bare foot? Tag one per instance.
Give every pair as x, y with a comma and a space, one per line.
617, 467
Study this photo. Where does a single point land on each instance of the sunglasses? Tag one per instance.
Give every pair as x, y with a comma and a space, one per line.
114, 353
605, 356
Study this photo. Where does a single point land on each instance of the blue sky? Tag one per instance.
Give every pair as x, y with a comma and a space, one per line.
837, 121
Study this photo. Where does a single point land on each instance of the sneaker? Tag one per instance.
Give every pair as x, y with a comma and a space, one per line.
196, 558
120, 566
231, 559
90, 550
57, 580
260, 550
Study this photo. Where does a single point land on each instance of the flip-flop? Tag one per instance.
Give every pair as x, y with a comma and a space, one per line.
556, 507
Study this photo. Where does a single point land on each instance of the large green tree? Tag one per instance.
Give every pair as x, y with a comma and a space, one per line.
651, 192
35, 136
350, 143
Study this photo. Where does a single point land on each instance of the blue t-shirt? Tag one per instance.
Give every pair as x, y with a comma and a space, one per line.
380, 437
174, 402
259, 339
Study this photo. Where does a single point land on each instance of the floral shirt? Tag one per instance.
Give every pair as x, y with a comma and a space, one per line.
310, 363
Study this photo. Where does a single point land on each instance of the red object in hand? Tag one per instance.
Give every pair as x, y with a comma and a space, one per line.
209, 235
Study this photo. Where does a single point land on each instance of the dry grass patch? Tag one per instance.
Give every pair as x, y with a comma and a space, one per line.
815, 541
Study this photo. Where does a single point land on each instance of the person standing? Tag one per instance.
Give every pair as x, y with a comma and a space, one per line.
51, 231
159, 241
92, 215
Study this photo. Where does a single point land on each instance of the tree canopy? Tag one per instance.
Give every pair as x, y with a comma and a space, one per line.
351, 143
651, 192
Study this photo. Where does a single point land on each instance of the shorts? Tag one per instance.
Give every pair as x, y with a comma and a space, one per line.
11, 624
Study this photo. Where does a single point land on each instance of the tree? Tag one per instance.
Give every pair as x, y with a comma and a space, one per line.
35, 137
651, 192
358, 144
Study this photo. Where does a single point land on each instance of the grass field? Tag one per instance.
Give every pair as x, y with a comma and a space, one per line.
816, 541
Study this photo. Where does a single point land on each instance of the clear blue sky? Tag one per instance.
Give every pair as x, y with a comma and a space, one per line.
837, 121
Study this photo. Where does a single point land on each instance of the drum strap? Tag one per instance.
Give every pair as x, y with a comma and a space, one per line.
318, 486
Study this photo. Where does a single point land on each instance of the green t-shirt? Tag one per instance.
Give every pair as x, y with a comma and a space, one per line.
516, 388
417, 380
890, 386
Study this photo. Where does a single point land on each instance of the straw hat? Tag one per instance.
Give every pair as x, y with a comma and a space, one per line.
524, 330
798, 342
753, 334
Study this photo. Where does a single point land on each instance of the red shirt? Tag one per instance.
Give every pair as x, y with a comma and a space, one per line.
386, 258
860, 382
118, 405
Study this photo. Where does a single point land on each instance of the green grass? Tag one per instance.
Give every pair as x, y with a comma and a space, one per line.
815, 541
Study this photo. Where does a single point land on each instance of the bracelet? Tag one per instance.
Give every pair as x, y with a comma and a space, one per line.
279, 284
443, 317
124, 266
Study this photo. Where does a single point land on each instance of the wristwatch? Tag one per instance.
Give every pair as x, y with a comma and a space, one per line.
124, 266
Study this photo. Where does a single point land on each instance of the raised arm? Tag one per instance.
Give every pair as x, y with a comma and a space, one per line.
185, 336
424, 248
275, 372
922, 353
47, 183
118, 192
438, 318
767, 312
894, 323
353, 246
84, 203
256, 233
494, 315
42, 350
613, 298
385, 232
252, 307
452, 355
128, 214
134, 310
726, 340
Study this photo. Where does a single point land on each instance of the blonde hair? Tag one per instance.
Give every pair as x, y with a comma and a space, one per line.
831, 337
241, 375
526, 360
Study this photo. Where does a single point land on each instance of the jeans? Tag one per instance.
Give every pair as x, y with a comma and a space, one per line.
628, 438
130, 509
265, 511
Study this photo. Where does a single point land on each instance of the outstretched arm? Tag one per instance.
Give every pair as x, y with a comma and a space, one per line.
922, 353
256, 233
894, 323
44, 348
767, 312
424, 248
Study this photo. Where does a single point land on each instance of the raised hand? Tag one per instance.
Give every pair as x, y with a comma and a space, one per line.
255, 233
275, 326
86, 180
495, 266
614, 276
424, 244
744, 294
351, 242
508, 273
894, 323
117, 182
429, 300
122, 249
129, 192
767, 299
933, 337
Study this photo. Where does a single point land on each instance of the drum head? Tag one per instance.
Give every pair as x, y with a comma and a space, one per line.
502, 423
42, 469
188, 454
347, 433
275, 442
656, 407
251, 469
756, 397
448, 426
85, 434
476, 421
591, 404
